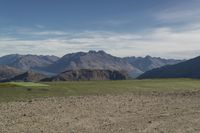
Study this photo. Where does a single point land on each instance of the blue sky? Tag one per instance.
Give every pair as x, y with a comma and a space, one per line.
166, 28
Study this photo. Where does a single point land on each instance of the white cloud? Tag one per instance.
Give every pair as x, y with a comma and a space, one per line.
164, 42
39, 26
46, 33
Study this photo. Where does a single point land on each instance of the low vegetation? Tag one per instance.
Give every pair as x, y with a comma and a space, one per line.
22, 91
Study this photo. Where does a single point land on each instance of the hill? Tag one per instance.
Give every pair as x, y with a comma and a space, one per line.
28, 76
186, 69
86, 74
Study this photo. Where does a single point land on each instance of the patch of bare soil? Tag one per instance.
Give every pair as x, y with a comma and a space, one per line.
129, 113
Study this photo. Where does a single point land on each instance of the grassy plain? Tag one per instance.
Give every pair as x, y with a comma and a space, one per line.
23, 91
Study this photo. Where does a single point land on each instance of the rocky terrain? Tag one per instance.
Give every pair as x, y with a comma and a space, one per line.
128, 113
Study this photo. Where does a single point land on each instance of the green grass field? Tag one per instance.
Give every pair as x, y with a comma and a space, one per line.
14, 91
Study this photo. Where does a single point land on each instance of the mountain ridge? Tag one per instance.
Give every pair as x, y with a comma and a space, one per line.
28, 76
27, 62
147, 63
186, 69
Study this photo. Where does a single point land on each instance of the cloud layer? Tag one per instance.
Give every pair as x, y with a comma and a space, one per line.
164, 42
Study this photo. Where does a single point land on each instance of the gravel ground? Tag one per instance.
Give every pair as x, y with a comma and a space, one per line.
127, 113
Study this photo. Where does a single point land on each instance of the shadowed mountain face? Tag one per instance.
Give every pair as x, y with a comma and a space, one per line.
28, 76
148, 63
187, 69
92, 60
27, 62
8, 72
85, 74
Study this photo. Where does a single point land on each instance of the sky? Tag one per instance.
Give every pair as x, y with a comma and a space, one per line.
161, 28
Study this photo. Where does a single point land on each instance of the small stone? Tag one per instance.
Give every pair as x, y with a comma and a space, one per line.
130, 100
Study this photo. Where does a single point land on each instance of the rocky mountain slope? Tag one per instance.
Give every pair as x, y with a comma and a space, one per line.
86, 74
8, 72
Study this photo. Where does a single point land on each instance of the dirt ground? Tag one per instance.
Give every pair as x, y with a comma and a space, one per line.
127, 113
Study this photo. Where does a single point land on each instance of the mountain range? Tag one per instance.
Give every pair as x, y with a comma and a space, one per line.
92, 60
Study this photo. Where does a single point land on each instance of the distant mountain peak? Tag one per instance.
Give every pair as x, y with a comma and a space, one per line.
92, 52
97, 52
148, 56
91, 60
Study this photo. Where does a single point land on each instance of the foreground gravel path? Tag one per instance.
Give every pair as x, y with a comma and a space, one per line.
126, 113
